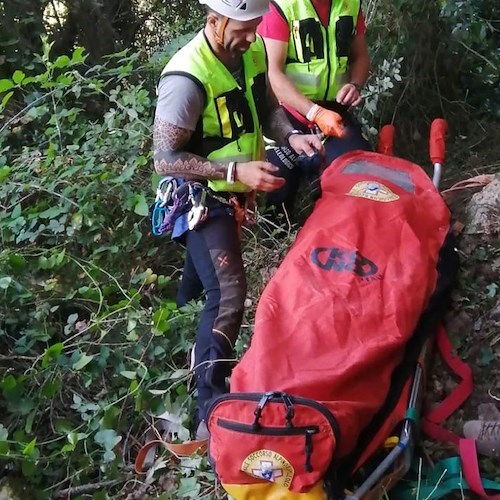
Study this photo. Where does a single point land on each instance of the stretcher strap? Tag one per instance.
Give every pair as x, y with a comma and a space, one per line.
431, 423
479, 181
468, 454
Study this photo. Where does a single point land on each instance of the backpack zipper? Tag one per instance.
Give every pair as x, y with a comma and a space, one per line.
306, 431
277, 397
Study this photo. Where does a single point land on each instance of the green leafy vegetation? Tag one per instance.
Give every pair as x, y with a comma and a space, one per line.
92, 346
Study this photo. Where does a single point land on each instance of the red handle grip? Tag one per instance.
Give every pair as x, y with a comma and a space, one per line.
437, 142
386, 140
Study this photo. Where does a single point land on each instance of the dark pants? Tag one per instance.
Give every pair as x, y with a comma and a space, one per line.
334, 147
214, 264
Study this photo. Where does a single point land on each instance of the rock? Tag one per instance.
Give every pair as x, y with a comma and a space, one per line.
495, 312
478, 324
449, 385
483, 210
460, 324
437, 387
7, 491
496, 264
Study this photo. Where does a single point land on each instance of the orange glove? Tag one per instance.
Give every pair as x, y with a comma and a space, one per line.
329, 122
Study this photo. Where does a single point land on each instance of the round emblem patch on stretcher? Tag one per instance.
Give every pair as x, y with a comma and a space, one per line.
373, 191
269, 465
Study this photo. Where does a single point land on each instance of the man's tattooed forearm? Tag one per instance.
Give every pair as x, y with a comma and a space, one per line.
278, 125
168, 137
187, 165
169, 159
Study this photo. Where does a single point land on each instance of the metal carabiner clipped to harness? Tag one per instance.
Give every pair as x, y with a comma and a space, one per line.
166, 188
198, 213
165, 194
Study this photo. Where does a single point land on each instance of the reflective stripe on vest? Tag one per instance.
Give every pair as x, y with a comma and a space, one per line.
317, 59
231, 118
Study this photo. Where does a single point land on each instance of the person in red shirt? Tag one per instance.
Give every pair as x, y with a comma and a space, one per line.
317, 67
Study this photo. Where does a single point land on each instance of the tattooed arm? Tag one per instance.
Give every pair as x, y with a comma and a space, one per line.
169, 159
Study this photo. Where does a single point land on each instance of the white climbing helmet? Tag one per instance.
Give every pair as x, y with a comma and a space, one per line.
240, 10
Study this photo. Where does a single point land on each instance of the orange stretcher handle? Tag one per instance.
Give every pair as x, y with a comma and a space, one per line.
386, 140
437, 143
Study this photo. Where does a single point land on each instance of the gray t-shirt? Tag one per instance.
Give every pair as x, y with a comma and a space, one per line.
180, 101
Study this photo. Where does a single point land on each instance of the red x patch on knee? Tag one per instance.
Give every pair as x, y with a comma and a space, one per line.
223, 260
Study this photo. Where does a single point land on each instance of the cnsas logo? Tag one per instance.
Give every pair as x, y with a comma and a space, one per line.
338, 259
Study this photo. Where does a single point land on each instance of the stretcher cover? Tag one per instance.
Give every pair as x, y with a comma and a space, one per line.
330, 329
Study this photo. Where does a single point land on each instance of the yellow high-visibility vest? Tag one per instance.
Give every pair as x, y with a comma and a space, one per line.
230, 126
317, 59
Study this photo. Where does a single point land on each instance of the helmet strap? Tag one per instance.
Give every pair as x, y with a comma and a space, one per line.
219, 34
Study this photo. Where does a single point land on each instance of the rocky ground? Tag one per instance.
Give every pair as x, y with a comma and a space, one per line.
473, 321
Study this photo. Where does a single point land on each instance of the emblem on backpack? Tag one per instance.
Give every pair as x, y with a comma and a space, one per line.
269, 465
375, 191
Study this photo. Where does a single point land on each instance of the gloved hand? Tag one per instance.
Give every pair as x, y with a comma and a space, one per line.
329, 122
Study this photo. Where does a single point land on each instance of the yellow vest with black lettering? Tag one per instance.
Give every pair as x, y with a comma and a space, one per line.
317, 59
229, 128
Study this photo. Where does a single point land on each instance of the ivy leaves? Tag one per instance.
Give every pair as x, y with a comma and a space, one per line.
93, 347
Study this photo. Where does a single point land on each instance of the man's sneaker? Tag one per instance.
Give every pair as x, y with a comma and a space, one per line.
487, 436
202, 433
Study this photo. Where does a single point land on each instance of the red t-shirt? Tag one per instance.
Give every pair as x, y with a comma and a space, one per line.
275, 27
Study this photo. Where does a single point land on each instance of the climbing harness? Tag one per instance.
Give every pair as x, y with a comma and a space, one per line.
175, 197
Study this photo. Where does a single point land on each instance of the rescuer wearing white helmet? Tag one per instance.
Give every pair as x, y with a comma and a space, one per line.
239, 10
213, 106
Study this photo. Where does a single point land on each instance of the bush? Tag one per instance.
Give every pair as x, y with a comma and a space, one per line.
90, 345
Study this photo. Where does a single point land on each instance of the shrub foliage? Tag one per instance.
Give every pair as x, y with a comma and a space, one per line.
91, 343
